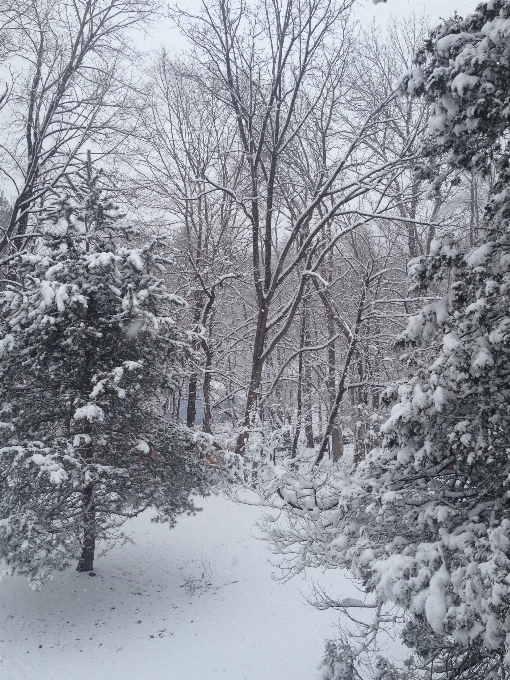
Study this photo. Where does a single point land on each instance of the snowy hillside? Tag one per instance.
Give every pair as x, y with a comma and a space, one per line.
149, 613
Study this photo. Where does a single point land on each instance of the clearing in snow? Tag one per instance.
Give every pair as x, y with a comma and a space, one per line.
194, 603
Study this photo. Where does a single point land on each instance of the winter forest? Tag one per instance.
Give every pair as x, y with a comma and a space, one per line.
254, 340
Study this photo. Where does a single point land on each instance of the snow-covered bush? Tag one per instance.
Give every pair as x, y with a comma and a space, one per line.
89, 356
342, 662
338, 662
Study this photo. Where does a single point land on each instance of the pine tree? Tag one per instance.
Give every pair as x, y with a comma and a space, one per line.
424, 522
90, 354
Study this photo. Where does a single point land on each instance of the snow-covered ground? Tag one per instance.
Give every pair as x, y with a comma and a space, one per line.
150, 614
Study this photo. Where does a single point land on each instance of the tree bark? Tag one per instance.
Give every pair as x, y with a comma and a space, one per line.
307, 375
207, 422
86, 562
342, 388
191, 409
299, 393
337, 446
253, 395
18, 222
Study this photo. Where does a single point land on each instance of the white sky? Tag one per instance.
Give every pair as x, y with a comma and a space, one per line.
433, 8
163, 34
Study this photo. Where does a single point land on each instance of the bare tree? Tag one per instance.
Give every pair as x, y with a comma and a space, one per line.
274, 66
183, 132
8, 16
67, 92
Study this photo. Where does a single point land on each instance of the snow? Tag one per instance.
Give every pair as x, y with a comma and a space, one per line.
439, 398
90, 412
498, 31
462, 82
482, 359
450, 343
53, 270
61, 297
143, 446
444, 44
135, 259
149, 612
435, 604
100, 259
48, 464
478, 256
47, 294
6, 343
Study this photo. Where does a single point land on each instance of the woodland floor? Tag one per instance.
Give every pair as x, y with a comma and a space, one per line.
194, 603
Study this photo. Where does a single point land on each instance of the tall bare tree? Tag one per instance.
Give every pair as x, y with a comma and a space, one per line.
183, 132
67, 91
273, 66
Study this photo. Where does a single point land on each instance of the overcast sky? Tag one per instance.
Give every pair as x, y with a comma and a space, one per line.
163, 34
433, 8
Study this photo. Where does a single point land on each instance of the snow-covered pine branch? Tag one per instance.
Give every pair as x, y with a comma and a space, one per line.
423, 521
90, 354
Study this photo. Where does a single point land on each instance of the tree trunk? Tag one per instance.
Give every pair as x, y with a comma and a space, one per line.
473, 209
342, 388
251, 403
307, 382
412, 234
191, 410
337, 445
86, 562
18, 222
299, 407
207, 423
253, 395
88, 546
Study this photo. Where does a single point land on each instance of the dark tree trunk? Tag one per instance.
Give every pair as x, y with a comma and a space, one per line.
299, 407
253, 395
86, 562
299, 414
307, 378
18, 222
412, 234
191, 410
207, 391
337, 446
251, 403
342, 388
473, 209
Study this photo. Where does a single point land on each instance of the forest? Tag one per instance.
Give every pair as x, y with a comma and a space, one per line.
272, 265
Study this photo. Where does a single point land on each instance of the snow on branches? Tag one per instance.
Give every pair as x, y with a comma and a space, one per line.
90, 354
463, 72
424, 521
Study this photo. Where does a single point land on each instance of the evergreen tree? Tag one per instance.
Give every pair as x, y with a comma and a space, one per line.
424, 522
90, 354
